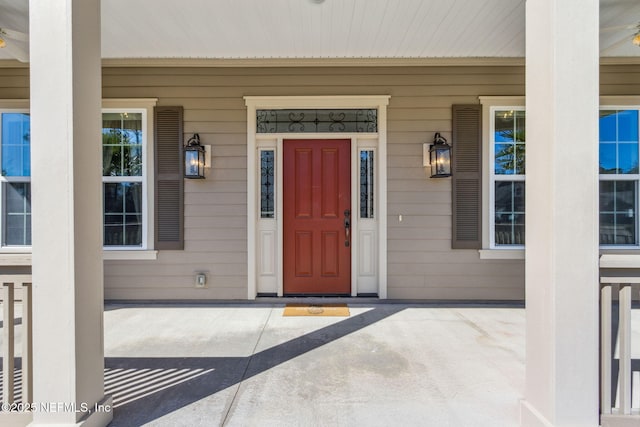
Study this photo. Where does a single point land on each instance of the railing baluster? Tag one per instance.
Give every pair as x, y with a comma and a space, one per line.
624, 378
27, 339
605, 349
619, 280
7, 338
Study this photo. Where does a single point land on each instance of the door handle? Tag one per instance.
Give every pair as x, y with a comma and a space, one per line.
347, 227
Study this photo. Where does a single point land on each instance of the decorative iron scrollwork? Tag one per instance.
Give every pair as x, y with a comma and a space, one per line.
366, 183
317, 121
267, 205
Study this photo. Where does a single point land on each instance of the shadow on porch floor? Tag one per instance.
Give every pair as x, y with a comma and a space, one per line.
386, 364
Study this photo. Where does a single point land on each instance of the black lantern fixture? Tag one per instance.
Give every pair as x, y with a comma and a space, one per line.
194, 158
440, 157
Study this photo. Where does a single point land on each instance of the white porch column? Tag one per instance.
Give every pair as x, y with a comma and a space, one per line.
562, 213
68, 350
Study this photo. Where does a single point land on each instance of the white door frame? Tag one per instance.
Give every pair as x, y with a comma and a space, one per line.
273, 228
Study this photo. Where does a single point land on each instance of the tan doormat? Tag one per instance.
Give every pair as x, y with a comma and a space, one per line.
338, 310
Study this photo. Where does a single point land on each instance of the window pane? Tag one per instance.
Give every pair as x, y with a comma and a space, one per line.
519, 158
123, 214
113, 235
608, 125
509, 213
17, 214
133, 230
366, 184
504, 155
111, 160
16, 130
504, 126
113, 198
267, 184
132, 162
133, 197
618, 201
607, 229
628, 126
628, 158
607, 158
504, 196
520, 126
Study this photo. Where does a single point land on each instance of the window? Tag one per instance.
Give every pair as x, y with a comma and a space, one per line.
504, 145
366, 183
15, 132
128, 196
123, 170
317, 121
507, 176
619, 176
267, 184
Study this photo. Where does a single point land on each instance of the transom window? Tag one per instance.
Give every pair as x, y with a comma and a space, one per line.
317, 120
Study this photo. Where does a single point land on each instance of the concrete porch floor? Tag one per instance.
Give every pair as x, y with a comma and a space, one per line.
247, 365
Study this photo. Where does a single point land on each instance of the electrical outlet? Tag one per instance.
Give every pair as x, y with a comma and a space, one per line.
201, 280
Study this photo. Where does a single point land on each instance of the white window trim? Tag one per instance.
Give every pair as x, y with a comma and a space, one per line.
21, 255
144, 106
144, 179
489, 249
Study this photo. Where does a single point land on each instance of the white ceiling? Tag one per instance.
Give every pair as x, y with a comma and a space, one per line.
224, 29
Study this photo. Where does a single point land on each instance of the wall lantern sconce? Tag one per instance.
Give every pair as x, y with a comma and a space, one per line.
438, 157
194, 158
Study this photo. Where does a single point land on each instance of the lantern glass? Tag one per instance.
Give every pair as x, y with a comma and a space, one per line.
440, 159
194, 162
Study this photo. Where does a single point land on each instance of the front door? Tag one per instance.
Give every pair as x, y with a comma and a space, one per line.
317, 217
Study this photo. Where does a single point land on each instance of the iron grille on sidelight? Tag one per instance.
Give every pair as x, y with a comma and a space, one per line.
317, 121
267, 208
366, 183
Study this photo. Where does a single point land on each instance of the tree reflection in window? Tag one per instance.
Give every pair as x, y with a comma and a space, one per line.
122, 144
509, 140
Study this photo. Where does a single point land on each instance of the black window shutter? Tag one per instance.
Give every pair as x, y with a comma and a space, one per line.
169, 182
467, 177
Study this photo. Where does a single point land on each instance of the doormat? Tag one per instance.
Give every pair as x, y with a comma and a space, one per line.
337, 310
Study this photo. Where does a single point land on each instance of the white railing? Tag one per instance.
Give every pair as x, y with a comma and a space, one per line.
619, 352
17, 382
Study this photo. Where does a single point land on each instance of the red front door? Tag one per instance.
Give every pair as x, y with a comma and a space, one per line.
317, 210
